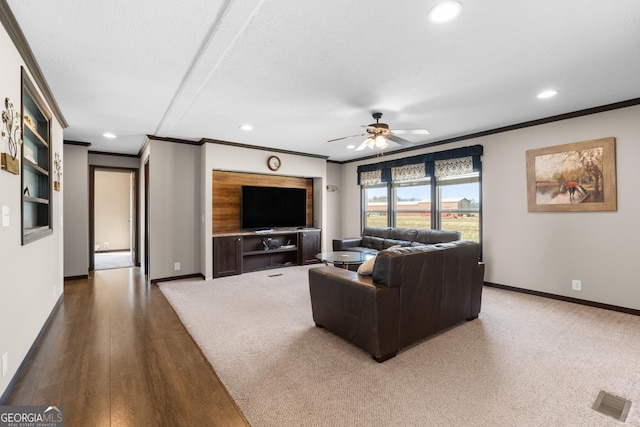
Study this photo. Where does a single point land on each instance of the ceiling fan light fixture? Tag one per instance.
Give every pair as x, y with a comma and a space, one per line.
381, 142
445, 12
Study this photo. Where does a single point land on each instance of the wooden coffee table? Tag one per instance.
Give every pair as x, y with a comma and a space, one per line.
344, 258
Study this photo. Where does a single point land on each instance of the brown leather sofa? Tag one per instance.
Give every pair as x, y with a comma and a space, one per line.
375, 239
413, 293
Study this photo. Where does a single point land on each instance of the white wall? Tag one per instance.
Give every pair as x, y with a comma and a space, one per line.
175, 224
31, 276
238, 159
114, 161
544, 251
76, 217
333, 212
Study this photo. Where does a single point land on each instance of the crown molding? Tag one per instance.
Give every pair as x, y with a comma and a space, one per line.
106, 153
551, 119
255, 147
80, 143
17, 36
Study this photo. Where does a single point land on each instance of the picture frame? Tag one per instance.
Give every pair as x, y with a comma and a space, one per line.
579, 176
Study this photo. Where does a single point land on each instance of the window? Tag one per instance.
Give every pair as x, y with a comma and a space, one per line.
412, 204
459, 206
376, 206
438, 191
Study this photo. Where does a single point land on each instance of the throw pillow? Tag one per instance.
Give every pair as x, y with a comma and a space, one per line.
366, 268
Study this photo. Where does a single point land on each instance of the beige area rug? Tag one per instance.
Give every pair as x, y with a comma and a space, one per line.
526, 361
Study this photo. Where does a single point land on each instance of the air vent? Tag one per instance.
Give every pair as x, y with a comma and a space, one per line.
613, 406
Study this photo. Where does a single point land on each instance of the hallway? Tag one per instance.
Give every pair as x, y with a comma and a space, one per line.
116, 354
109, 260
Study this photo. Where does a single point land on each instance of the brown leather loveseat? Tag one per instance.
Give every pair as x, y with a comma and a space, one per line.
413, 293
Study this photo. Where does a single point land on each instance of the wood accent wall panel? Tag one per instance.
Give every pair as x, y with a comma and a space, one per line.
226, 190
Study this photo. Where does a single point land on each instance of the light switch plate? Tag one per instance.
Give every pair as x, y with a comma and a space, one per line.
5, 364
6, 216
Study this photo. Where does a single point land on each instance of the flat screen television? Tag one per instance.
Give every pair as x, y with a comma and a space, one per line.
272, 207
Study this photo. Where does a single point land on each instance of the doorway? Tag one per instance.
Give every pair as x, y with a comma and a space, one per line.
113, 224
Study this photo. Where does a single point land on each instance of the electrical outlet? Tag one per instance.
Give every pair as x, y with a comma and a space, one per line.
576, 285
5, 364
176, 266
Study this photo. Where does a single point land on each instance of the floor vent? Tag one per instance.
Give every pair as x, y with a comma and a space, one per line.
613, 406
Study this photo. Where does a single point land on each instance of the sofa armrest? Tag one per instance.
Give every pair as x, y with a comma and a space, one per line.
344, 244
355, 308
476, 290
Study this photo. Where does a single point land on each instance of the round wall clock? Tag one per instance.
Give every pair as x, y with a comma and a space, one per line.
274, 163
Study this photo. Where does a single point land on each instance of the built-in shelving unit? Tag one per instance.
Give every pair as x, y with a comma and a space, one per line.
250, 251
36, 164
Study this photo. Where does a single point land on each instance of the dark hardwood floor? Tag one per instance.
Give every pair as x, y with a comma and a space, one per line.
116, 354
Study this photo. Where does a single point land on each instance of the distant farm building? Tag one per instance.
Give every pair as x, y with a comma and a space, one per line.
423, 207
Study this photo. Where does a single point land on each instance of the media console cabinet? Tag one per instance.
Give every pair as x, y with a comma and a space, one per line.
236, 253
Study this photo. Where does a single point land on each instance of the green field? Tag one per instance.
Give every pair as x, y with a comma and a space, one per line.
468, 226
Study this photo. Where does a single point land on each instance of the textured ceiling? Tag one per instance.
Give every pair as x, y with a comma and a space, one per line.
307, 71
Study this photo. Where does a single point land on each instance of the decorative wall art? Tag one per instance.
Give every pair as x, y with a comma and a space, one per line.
573, 177
57, 164
12, 133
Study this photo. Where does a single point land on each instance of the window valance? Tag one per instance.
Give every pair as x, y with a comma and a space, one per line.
408, 172
435, 165
370, 177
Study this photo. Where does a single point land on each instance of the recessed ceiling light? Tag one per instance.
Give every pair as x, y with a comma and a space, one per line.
109, 135
547, 93
445, 12
246, 127
350, 147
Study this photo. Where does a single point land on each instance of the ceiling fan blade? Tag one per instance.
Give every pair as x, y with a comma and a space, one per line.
400, 141
367, 143
410, 131
346, 137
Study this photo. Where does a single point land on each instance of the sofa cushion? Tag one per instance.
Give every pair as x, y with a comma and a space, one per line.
373, 242
383, 232
428, 237
393, 242
404, 234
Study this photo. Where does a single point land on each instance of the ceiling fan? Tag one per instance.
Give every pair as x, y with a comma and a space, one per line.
380, 135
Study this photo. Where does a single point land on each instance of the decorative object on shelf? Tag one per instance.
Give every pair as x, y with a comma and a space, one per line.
573, 177
13, 134
274, 163
29, 122
274, 243
57, 163
27, 153
270, 243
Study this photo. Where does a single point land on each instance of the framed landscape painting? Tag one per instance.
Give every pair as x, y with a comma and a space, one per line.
573, 177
